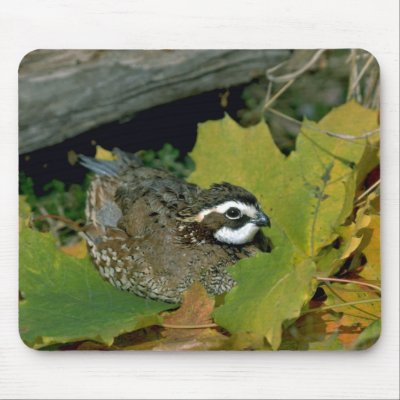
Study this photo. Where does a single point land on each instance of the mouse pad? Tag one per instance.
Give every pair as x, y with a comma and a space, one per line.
199, 200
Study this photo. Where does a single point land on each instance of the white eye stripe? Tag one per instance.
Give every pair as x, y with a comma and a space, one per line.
246, 209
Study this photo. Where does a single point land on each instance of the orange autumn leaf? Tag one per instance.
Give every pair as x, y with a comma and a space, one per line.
195, 310
78, 250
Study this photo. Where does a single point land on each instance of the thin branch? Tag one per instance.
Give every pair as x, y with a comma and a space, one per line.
171, 326
369, 190
277, 94
353, 72
350, 303
295, 74
344, 136
269, 91
329, 286
320, 278
66, 221
284, 116
361, 73
360, 204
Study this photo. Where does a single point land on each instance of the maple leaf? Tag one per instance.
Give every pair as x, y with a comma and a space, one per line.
195, 312
308, 195
64, 298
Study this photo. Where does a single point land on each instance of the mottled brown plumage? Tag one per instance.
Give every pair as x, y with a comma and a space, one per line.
145, 233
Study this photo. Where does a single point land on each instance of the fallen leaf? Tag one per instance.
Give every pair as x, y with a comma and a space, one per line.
308, 195
354, 318
78, 249
103, 154
66, 300
271, 288
368, 337
188, 328
195, 310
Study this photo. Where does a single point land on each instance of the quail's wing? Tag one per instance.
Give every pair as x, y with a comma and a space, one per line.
124, 189
149, 198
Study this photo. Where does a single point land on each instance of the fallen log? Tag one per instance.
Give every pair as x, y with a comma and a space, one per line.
63, 93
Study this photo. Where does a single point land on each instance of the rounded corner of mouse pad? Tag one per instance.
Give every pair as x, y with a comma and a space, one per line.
199, 199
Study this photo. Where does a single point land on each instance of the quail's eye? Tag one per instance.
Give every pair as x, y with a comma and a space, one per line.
233, 213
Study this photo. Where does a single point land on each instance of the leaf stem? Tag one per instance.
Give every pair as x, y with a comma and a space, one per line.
329, 286
370, 189
344, 136
61, 218
277, 94
361, 74
295, 74
320, 278
203, 326
284, 116
350, 303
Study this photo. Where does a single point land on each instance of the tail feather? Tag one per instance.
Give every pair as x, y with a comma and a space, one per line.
111, 168
100, 167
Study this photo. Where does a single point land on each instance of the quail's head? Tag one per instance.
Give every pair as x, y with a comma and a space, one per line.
229, 213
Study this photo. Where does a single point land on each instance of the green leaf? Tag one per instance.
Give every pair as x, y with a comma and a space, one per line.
308, 196
270, 289
368, 337
64, 299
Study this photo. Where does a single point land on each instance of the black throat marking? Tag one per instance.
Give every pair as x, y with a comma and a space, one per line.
194, 233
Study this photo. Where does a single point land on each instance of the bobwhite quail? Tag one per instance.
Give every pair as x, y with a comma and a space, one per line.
153, 234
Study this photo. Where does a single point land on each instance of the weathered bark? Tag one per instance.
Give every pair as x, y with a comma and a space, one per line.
66, 92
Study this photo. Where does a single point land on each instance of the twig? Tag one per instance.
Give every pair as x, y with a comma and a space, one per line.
293, 75
361, 73
320, 278
329, 286
277, 94
171, 326
66, 221
350, 303
369, 190
360, 204
284, 116
269, 91
353, 73
344, 136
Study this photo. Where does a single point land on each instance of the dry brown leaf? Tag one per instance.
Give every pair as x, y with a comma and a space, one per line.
78, 250
177, 333
354, 319
195, 310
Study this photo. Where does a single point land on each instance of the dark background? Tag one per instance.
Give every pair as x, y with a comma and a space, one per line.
174, 123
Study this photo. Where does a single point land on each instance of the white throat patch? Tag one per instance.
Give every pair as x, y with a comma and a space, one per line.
242, 235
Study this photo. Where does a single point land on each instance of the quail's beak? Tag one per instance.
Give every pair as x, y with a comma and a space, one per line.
261, 220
